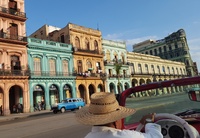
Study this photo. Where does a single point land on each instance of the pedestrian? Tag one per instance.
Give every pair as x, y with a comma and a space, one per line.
39, 105
1, 110
19, 108
35, 107
105, 114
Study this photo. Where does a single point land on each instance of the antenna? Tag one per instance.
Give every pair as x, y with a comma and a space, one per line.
97, 26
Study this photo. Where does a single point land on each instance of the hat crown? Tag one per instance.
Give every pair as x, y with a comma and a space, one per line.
102, 103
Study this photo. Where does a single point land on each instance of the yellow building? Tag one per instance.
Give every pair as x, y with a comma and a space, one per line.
88, 55
146, 69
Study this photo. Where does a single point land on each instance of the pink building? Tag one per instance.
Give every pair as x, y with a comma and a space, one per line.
13, 57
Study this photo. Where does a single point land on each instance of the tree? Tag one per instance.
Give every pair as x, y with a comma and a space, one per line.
118, 67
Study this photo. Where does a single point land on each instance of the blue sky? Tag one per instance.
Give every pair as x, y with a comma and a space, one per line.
131, 21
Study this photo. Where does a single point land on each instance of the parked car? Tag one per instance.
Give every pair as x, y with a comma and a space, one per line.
68, 104
178, 121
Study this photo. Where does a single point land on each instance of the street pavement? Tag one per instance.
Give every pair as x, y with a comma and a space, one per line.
43, 112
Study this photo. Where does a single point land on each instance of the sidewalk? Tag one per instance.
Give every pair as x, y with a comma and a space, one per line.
23, 115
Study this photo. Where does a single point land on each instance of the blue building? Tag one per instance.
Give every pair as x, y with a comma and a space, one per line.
51, 72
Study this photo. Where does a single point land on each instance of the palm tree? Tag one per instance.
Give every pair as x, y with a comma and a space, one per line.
118, 69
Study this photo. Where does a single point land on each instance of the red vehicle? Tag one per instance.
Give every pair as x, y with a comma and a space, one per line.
180, 122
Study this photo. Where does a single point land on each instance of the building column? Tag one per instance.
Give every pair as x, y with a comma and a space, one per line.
48, 106
6, 110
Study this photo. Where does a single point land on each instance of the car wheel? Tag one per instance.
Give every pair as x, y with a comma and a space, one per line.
54, 111
62, 110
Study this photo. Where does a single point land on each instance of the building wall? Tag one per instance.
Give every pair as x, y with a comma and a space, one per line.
115, 52
173, 47
147, 61
87, 49
13, 57
46, 85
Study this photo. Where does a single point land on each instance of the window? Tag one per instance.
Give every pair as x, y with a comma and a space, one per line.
79, 65
155, 52
110, 72
87, 44
96, 45
181, 71
52, 66
77, 42
108, 56
15, 63
152, 68
168, 69
151, 53
172, 70
158, 68
176, 45
139, 68
160, 50
177, 71
123, 59
37, 66
165, 49
146, 68
13, 31
170, 47
62, 38
132, 69
163, 68
89, 65
65, 67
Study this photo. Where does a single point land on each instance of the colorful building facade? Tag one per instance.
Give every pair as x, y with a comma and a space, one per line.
87, 55
146, 69
14, 87
115, 54
173, 47
51, 72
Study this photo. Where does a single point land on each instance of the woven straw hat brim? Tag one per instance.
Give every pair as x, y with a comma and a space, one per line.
85, 117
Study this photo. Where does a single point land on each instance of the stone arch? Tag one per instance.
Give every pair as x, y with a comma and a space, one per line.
81, 93
15, 98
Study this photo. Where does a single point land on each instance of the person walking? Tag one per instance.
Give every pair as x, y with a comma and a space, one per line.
1, 110
104, 113
19, 108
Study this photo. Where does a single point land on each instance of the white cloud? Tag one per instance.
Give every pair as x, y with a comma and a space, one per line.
129, 41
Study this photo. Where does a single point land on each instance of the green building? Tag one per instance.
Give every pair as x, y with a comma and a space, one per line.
173, 47
51, 66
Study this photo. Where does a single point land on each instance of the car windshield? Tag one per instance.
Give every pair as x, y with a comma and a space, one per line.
171, 99
64, 101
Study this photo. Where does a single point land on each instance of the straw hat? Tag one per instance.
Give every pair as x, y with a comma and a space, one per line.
103, 109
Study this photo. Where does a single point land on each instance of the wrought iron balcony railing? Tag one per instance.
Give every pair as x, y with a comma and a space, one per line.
12, 37
51, 74
14, 73
88, 51
12, 12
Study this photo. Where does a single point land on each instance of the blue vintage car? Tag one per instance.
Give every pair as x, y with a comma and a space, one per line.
68, 104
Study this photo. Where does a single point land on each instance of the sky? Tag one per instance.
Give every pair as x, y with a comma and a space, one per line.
132, 21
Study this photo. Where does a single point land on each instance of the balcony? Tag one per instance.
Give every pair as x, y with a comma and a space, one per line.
50, 74
88, 51
14, 72
6, 37
11, 13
